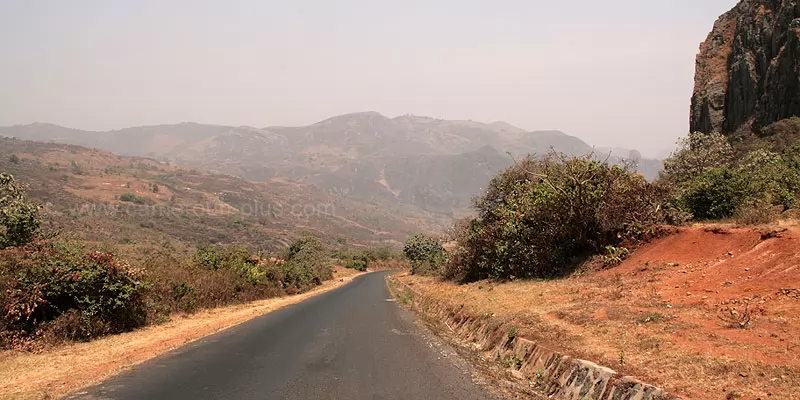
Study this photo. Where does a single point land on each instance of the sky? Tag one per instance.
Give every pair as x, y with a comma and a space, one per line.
614, 72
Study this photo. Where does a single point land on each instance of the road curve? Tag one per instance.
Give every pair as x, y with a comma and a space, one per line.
350, 343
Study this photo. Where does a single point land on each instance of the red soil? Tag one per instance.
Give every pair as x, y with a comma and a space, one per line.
709, 271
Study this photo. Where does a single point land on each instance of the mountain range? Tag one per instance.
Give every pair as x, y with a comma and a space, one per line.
437, 165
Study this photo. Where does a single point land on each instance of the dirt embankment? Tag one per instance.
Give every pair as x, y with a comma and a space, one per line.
57, 372
707, 313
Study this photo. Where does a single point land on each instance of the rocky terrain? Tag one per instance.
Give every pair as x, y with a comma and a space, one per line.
748, 69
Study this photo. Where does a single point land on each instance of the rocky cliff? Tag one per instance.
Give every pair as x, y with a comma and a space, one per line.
748, 69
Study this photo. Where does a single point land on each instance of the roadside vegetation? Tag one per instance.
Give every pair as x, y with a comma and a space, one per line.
383, 257
701, 296
425, 254
545, 216
54, 289
715, 181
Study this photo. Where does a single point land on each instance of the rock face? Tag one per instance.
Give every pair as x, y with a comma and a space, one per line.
748, 69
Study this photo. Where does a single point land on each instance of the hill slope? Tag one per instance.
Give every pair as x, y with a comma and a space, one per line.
128, 199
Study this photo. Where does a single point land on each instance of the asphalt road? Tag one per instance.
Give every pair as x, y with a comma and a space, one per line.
351, 343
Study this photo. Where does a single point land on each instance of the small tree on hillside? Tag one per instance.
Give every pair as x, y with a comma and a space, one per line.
19, 218
711, 183
542, 215
425, 253
696, 154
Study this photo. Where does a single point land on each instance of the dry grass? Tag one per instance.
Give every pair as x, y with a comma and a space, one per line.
63, 370
657, 315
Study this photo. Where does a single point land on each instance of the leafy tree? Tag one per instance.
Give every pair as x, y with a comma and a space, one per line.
306, 263
696, 154
540, 214
19, 217
425, 253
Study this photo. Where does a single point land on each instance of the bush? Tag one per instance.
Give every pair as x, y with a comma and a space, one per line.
60, 287
233, 258
19, 218
615, 255
306, 264
695, 155
716, 194
383, 253
713, 184
425, 253
358, 265
132, 198
14, 159
541, 215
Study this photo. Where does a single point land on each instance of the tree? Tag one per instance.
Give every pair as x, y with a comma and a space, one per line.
306, 263
14, 159
696, 154
425, 253
19, 218
542, 215
712, 182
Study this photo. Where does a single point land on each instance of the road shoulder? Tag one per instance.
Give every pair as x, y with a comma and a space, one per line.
57, 372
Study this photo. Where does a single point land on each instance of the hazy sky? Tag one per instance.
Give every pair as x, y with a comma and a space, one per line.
614, 72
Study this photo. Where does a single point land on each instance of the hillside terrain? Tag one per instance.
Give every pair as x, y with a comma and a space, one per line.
436, 165
748, 69
99, 196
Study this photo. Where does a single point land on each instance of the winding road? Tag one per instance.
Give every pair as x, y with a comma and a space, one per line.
351, 343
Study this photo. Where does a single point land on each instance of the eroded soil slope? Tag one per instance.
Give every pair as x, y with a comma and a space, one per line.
707, 313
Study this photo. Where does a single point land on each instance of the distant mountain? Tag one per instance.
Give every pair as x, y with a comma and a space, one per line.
436, 183
437, 165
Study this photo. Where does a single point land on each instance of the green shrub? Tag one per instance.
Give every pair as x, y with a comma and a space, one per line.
59, 285
696, 154
358, 265
306, 264
712, 183
716, 194
233, 258
19, 217
615, 255
14, 159
132, 198
425, 253
541, 215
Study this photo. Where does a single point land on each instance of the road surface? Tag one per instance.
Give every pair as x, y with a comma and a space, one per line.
351, 343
